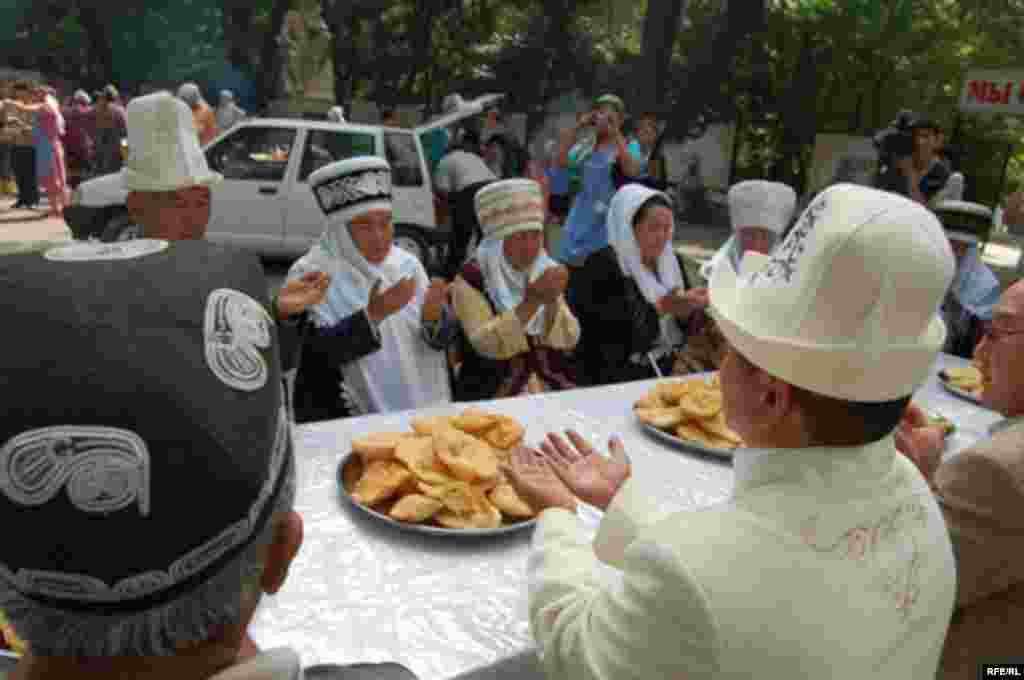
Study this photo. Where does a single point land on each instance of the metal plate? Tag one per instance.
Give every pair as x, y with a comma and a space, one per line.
963, 394
424, 528
685, 443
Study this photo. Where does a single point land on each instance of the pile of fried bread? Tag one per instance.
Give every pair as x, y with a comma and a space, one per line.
689, 409
447, 472
964, 378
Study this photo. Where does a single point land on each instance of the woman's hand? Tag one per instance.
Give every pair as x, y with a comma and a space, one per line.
298, 294
536, 483
433, 303
681, 304
586, 473
385, 303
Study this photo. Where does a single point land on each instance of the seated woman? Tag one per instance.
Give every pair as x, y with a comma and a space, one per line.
377, 340
516, 328
634, 297
967, 309
759, 212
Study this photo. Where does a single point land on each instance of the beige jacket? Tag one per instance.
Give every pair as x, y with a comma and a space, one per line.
825, 563
981, 492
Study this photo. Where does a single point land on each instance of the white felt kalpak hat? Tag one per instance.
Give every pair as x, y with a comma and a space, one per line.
759, 203
510, 206
163, 146
964, 221
846, 305
351, 187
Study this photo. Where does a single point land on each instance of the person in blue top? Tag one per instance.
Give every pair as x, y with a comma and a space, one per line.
592, 158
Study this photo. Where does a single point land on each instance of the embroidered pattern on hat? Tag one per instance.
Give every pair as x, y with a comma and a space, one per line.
236, 329
784, 261
105, 469
100, 252
89, 589
350, 190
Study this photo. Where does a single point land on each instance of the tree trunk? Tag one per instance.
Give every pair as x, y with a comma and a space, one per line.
100, 52
711, 65
661, 24
237, 25
270, 53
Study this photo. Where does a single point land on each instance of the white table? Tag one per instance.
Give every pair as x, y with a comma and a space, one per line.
360, 591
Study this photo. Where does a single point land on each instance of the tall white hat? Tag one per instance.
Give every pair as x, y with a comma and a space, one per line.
846, 305
163, 146
351, 187
759, 203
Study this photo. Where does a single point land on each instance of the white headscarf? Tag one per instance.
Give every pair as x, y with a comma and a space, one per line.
352, 275
624, 206
505, 284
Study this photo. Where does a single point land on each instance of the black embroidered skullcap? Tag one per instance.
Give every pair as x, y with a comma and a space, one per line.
143, 441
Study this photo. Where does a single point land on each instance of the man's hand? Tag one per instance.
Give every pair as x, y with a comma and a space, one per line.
298, 294
536, 483
385, 303
922, 444
590, 476
433, 303
549, 286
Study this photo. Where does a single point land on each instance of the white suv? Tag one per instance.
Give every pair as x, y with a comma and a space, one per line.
264, 204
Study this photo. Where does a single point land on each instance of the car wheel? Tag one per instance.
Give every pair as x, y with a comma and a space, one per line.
414, 244
121, 228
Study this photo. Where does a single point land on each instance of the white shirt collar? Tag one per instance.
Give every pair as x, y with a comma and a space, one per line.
744, 461
274, 664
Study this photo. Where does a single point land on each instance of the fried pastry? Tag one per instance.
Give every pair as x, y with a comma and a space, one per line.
416, 508
506, 434
469, 462
380, 481
474, 421
377, 445
505, 498
427, 425
661, 418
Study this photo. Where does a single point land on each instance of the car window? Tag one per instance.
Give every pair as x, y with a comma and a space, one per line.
328, 146
400, 152
253, 153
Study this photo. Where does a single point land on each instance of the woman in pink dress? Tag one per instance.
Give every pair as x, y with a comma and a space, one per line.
51, 170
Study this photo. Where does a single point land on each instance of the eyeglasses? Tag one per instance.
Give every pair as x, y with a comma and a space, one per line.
996, 334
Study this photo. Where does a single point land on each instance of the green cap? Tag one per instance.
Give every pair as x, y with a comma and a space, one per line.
611, 100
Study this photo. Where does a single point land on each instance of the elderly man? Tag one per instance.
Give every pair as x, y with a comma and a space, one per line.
169, 185
166, 174
124, 574
981, 492
831, 558
967, 307
205, 119
110, 581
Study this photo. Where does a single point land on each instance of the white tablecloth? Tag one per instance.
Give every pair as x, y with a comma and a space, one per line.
362, 591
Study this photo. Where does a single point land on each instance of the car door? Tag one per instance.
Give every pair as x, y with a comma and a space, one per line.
248, 207
412, 193
303, 217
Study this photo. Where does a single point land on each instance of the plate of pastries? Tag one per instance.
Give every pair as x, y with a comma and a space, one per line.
688, 412
444, 476
963, 381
